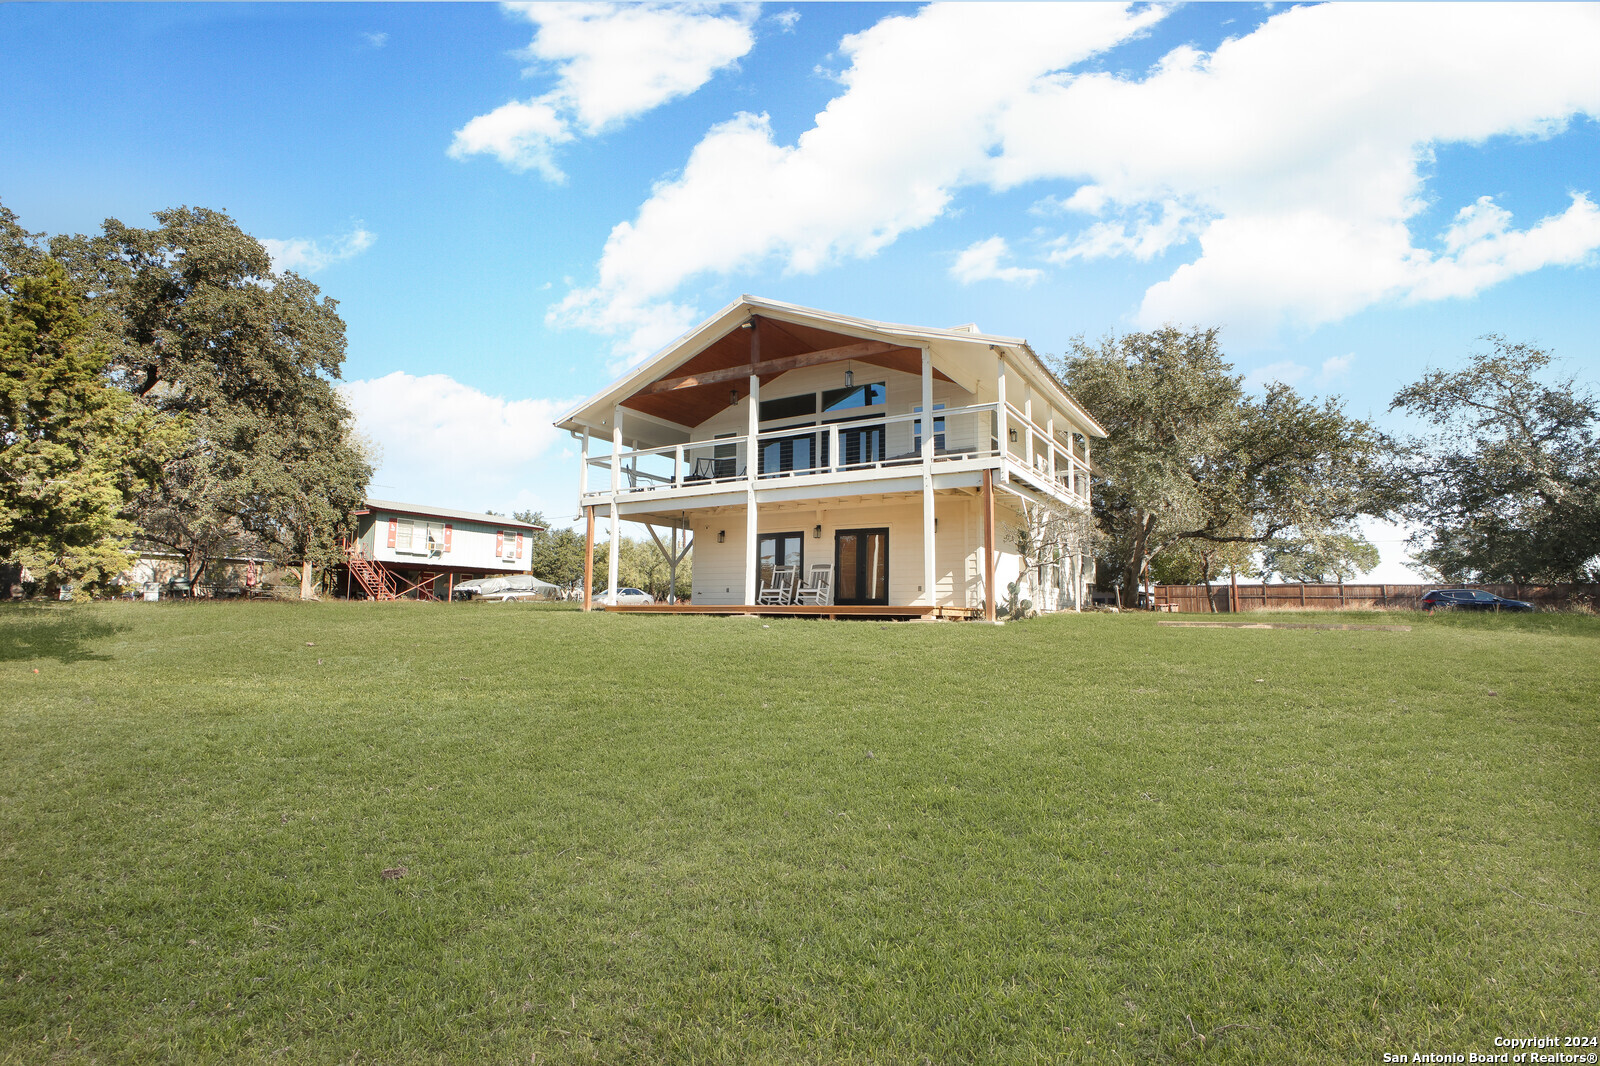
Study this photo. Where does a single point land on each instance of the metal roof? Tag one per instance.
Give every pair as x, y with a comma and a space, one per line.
448, 512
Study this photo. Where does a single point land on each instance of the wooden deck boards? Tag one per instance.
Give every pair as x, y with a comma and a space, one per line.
804, 611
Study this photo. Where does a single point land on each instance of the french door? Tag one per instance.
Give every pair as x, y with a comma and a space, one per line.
779, 549
861, 566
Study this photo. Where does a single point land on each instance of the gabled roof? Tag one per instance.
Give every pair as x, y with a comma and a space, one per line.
420, 511
715, 345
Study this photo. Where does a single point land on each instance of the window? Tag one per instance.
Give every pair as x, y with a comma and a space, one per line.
788, 453
789, 407
855, 396
724, 456
403, 535
938, 430
509, 542
869, 445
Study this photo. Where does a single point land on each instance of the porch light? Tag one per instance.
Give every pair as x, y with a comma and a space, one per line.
816, 532
849, 378
722, 535
733, 397
1013, 435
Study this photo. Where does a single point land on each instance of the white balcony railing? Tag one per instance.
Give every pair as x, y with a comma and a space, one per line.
858, 445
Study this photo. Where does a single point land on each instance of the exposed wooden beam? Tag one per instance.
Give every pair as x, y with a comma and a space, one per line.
771, 366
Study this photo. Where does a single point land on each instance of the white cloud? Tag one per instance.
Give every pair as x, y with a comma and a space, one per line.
613, 63
1286, 371
981, 262
309, 256
1143, 237
448, 444
1334, 368
1483, 249
1301, 143
1290, 155
376, 40
922, 96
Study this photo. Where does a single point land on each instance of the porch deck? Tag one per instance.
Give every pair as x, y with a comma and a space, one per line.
925, 614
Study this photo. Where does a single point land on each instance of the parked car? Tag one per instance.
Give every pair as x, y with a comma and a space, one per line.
505, 589
1470, 600
626, 598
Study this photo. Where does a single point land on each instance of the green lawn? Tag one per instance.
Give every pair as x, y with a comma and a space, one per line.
655, 839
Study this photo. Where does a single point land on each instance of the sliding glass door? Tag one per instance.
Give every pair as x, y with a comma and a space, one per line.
861, 563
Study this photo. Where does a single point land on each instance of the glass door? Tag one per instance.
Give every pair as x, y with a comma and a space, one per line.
861, 566
778, 549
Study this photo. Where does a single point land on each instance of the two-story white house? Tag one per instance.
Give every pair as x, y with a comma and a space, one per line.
404, 550
907, 457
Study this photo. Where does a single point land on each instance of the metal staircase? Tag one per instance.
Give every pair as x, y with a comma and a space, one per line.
372, 575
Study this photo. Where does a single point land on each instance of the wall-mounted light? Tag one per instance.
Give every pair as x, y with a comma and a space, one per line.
936, 525
1013, 435
816, 532
733, 398
849, 378
722, 535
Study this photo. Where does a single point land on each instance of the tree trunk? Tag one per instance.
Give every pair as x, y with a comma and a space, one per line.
306, 592
1135, 566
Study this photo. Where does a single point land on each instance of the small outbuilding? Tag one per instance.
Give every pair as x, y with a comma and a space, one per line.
410, 551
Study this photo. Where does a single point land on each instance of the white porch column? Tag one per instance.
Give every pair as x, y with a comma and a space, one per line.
1050, 440
583, 467
615, 542
1027, 415
927, 477
751, 465
1003, 422
616, 448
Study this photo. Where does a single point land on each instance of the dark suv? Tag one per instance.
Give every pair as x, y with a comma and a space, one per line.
1470, 600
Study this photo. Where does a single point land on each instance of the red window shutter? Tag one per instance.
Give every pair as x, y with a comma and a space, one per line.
394, 530
519, 545
499, 543
447, 532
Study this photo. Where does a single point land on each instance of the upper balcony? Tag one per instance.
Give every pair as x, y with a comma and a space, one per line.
844, 457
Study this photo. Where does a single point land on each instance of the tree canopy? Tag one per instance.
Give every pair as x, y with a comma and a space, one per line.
73, 448
1191, 458
198, 327
1506, 486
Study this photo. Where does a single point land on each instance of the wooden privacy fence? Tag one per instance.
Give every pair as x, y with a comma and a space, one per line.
1192, 598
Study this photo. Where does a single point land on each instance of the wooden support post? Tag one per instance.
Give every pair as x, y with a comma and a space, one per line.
988, 545
1233, 591
1302, 595
588, 561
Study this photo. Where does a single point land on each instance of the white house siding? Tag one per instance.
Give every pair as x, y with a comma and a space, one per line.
472, 544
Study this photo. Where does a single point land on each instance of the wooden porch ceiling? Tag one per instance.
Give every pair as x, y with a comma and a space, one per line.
700, 387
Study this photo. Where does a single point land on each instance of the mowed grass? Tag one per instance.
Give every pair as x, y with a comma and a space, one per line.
699, 840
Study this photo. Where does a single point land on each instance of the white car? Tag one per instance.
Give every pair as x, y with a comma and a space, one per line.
626, 598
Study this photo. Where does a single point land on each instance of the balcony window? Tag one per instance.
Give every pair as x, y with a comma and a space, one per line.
843, 399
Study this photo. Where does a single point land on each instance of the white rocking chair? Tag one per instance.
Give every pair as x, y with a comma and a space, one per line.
781, 591
818, 591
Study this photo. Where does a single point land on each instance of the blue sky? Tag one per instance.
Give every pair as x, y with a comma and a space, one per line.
512, 204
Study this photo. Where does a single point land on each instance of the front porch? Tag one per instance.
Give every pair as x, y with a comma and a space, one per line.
915, 613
